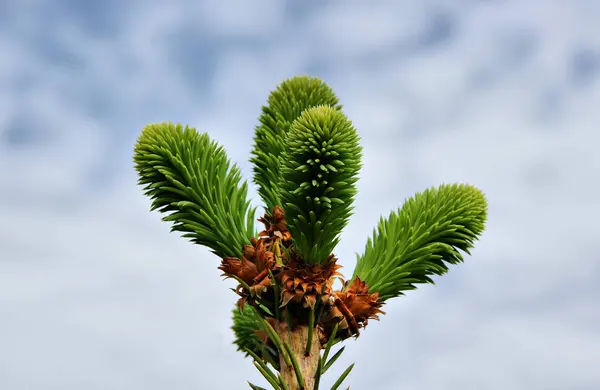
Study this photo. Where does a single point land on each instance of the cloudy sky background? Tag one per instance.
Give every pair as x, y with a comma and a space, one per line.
96, 294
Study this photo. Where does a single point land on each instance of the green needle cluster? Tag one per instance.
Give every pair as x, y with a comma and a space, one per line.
320, 167
189, 178
421, 238
284, 106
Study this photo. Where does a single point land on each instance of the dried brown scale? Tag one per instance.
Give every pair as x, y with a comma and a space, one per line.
349, 317
258, 258
274, 223
301, 284
363, 305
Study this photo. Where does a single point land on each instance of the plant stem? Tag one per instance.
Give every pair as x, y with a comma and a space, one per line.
296, 339
311, 328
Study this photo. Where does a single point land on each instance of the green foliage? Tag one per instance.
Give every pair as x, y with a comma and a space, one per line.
187, 176
306, 159
418, 240
245, 325
285, 104
319, 171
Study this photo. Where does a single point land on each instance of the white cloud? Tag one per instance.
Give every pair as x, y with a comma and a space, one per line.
231, 18
95, 293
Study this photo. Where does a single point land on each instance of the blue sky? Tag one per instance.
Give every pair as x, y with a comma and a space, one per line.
96, 294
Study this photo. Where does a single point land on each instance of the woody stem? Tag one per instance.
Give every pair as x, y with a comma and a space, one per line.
297, 339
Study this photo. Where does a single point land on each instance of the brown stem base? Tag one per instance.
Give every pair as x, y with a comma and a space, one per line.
297, 339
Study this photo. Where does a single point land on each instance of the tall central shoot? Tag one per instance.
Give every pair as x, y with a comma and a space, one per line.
320, 167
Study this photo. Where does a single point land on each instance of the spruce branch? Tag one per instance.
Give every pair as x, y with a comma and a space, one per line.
420, 239
319, 171
284, 105
306, 159
188, 177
